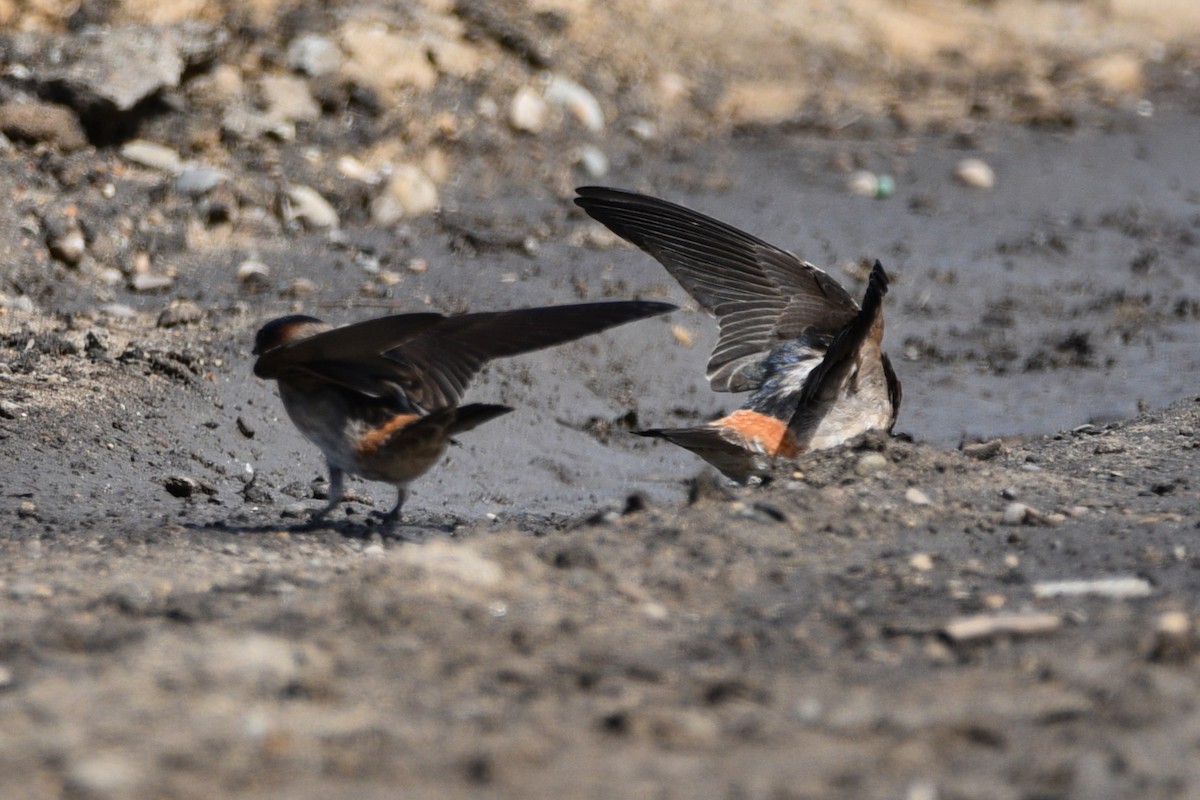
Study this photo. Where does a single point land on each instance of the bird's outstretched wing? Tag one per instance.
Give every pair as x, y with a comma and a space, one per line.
760, 294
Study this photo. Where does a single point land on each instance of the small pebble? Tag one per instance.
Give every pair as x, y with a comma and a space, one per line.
1174, 637
1116, 588
922, 562
154, 156
409, 193
916, 497
527, 111
982, 451
1016, 514
147, 282
66, 241
181, 312
306, 205
985, 626
870, 464
863, 183
578, 100
253, 272
314, 55
198, 181
593, 160
975, 173
683, 336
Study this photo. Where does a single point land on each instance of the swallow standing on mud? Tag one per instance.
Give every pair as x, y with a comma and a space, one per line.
789, 333
380, 398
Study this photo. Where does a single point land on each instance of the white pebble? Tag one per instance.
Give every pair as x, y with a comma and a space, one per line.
251, 270
593, 161
916, 497
309, 207
314, 55
870, 464
149, 282
863, 183
975, 173
527, 112
1116, 588
155, 156
1015, 514
582, 103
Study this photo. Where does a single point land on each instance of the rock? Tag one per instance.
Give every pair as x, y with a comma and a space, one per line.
181, 312
154, 156
409, 193
1118, 588
9, 410
916, 497
120, 66
181, 485
383, 60
1174, 637
683, 336
355, 170
35, 122
288, 99
863, 183
1120, 73
593, 161
149, 282
982, 451
104, 775
870, 464
922, 562
314, 55
65, 240
253, 273
455, 58
527, 111
309, 207
6, 676
576, 99
987, 626
198, 181
1017, 514
975, 173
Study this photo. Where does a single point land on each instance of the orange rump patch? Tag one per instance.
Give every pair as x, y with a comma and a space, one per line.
768, 433
376, 438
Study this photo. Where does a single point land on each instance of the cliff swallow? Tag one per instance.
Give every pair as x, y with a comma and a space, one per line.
789, 334
381, 398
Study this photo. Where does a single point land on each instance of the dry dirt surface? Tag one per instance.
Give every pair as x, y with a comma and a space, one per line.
1000, 601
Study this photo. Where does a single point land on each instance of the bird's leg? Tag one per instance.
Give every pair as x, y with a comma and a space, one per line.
393, 516
391, 520
337, 490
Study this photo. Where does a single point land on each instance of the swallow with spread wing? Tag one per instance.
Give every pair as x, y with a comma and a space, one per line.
811, 357
381, 398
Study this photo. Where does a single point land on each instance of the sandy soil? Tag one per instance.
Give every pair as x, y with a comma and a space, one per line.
1000, 602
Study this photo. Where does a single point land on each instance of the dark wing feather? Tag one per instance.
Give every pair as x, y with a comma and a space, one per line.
761, 295
845, 345
351, 356
442, 360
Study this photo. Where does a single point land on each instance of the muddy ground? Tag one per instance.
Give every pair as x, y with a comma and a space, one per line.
999, 602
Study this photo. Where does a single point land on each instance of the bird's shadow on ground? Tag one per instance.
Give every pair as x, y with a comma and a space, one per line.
415, 530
